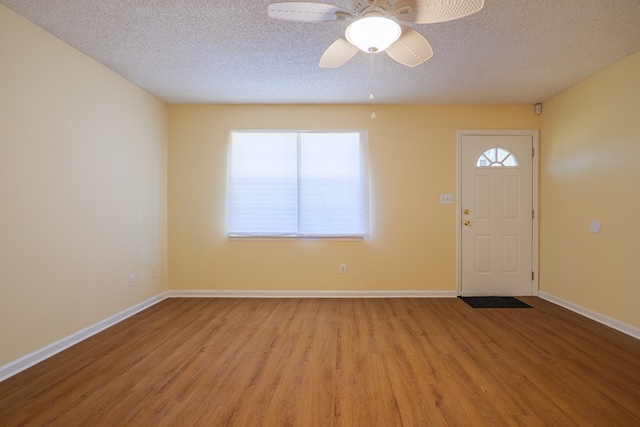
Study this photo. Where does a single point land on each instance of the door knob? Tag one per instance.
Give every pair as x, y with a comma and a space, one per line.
467, 222
466, 211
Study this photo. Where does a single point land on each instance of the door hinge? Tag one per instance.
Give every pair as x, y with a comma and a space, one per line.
533, 152
533, 214
532, 275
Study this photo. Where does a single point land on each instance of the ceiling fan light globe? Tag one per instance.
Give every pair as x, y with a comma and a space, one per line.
373, 34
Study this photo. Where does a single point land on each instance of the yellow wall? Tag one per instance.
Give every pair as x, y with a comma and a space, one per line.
412, 155
590, 170
82, 190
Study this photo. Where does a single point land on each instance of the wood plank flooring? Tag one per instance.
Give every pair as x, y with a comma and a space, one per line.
336, 362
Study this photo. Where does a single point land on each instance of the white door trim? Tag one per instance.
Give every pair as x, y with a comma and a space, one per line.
534, 240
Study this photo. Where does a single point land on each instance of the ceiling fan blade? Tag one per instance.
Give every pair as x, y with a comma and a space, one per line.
410, 49
307, 12
433, 11
338, 53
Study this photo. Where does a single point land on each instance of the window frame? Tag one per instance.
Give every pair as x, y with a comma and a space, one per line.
365, 189
497, 162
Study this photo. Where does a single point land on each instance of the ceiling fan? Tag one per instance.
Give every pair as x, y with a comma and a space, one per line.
375, 27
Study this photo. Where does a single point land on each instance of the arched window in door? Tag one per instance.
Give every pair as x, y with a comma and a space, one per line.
496, 157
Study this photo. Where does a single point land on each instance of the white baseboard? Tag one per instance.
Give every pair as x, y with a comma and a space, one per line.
19, 365
600, 318
311, 294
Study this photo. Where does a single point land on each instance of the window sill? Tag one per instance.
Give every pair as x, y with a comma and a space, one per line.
297, 237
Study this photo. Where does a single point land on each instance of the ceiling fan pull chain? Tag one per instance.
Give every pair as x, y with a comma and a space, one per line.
371, 95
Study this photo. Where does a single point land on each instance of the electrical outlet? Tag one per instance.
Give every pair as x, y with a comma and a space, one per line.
132, 279
154, 273
343, 268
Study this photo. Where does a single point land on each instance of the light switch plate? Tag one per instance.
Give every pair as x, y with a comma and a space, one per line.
446, 199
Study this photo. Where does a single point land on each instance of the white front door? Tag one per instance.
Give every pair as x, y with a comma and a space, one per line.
496, 214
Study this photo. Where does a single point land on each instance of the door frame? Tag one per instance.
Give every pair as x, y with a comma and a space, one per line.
534, 181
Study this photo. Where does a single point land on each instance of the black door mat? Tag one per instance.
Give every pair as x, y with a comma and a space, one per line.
494, 302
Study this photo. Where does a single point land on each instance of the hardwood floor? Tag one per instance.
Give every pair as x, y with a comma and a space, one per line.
336, 362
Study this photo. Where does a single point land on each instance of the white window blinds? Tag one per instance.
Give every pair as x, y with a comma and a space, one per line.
301, 184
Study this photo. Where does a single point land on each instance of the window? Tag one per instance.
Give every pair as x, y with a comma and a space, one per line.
298, 184
496, 157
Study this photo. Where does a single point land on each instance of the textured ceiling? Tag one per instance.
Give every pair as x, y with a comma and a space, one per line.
229, 51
